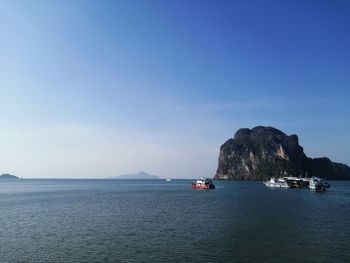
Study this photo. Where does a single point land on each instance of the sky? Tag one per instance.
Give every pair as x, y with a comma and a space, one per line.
93, 89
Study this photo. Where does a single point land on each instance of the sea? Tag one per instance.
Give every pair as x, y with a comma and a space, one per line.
78, 220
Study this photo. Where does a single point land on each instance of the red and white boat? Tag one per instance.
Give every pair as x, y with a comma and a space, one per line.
203, 183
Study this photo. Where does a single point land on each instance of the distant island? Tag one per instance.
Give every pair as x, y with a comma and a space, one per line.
140, 175
8, 176
264, 152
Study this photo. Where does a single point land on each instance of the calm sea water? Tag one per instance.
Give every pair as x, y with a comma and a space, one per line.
158, 221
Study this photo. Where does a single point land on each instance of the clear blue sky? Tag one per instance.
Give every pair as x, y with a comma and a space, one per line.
100, 88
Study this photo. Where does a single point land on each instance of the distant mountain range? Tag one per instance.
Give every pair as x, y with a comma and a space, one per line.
140, 175
8, 176
264, 152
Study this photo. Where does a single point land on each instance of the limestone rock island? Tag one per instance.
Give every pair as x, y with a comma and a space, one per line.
264, 152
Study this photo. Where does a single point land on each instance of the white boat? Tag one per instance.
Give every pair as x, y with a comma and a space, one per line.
168, 180
273, 182
316, 185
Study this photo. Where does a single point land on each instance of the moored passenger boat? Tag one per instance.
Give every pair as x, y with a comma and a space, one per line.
203, 183
316, 184
273, 182
296, 182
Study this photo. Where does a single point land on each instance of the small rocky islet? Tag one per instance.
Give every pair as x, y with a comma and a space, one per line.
264, 152
8, 177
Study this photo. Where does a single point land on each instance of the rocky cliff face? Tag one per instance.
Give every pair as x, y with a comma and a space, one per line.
263, 152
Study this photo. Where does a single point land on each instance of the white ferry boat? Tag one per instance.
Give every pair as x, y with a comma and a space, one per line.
316, 185
273, 182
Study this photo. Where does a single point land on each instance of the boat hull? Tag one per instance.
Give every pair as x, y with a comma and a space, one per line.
276, 185
203, 186
317, 189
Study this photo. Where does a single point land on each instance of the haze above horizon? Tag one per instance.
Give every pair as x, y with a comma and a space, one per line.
94, 89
